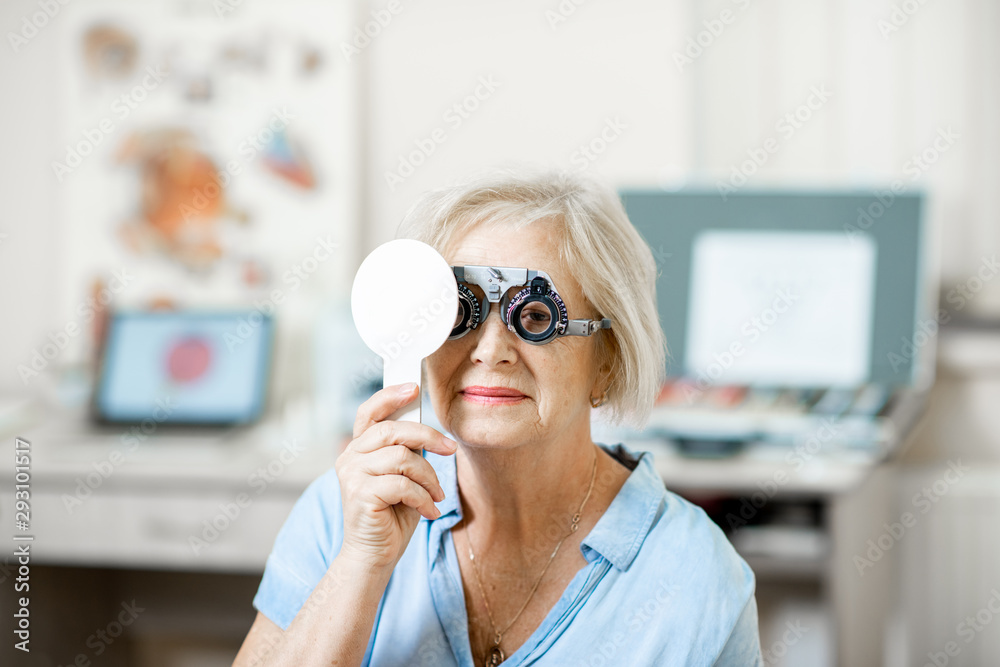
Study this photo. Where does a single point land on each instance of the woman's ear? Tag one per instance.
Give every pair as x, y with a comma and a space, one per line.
605, 356
603, 378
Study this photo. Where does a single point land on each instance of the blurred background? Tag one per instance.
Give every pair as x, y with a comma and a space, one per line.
189, 186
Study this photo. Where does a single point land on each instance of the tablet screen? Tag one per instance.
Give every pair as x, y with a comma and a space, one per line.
185, 367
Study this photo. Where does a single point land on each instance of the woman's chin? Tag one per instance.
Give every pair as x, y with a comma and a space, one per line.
487, 425
487, 432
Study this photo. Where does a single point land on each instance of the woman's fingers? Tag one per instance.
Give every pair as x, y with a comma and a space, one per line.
382, 404
414, 435
393, 489
401, 460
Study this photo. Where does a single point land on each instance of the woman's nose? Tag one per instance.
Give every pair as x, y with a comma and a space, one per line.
495, 344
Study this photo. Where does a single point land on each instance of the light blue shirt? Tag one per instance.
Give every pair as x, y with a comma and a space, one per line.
663, 585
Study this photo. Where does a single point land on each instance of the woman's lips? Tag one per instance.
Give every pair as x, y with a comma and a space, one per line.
492, 395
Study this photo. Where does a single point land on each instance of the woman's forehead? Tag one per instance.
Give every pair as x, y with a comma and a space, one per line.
535, 246
532, 247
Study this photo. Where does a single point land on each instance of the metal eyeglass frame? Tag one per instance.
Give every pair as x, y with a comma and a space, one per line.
495, 281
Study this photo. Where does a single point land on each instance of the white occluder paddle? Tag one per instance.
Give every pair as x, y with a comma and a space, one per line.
404, 302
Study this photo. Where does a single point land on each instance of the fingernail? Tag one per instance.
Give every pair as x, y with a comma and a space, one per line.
449, 443
407, 388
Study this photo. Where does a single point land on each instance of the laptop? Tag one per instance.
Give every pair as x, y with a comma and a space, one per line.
188, 368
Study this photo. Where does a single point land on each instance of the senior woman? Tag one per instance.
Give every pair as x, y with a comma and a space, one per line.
520, 541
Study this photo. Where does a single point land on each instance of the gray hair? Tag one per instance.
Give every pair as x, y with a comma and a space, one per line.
612, 263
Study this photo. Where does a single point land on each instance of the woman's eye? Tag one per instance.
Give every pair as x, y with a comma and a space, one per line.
535, 319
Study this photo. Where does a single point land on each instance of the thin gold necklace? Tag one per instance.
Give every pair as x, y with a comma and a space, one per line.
495, 655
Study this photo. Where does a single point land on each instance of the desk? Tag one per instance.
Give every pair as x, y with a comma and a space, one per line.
106, 499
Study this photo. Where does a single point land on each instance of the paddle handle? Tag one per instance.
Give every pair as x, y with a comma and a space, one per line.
400, 370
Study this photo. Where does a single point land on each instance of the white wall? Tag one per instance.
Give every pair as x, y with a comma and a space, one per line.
27, 203
558, 87
889, 95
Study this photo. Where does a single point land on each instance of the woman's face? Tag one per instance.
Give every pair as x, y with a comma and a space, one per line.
556, 379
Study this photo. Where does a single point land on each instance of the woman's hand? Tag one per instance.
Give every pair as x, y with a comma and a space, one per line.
385, 483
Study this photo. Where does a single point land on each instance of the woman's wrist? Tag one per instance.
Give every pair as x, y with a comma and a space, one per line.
363, 566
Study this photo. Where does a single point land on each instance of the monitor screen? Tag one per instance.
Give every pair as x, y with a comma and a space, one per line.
184, 367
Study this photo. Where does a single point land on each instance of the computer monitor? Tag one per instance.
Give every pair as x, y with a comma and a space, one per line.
856, 260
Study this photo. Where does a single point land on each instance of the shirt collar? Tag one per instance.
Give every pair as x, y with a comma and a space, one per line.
618, 534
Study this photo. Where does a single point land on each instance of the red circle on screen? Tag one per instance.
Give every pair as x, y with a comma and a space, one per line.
188, 359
